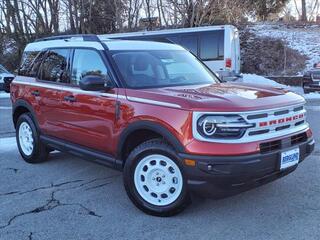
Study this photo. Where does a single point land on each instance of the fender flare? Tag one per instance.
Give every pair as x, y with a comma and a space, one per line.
152, 126
25, 104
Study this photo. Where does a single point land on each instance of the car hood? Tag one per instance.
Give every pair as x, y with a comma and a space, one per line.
221, 97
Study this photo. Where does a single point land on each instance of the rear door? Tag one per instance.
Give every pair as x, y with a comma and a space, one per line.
52, 74
88, 116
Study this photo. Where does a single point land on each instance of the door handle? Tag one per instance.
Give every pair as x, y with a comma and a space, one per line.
35, 93
70, 98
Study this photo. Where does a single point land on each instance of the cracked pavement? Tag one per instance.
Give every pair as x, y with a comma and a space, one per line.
70, 198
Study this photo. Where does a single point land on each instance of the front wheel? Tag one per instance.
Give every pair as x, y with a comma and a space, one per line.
154, 180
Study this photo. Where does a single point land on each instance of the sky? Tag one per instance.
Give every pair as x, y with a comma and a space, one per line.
292, 7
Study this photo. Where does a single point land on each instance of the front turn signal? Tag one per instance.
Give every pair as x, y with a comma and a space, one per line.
189, 162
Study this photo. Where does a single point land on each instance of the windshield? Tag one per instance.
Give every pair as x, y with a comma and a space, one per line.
161, 68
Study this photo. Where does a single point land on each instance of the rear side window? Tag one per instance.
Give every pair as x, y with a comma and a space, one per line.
87, 62
54, 67
212, 45
27, 62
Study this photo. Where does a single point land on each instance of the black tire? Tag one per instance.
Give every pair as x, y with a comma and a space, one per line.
154, 146
39, 152
305, 91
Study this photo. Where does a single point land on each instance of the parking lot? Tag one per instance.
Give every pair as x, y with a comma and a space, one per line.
70, 198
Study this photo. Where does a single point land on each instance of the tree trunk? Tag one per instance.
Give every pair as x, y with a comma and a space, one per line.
304, 10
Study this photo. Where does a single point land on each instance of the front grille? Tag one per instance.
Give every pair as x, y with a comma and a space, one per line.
270, 146
316, 76
282, 127
275, 123
277, 144
299, 138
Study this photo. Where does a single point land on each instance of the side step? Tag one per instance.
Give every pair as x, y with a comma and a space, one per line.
82, 152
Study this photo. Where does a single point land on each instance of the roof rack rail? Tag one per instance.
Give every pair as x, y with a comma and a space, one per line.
86, 37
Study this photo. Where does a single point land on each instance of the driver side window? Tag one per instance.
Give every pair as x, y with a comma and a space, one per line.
87, 62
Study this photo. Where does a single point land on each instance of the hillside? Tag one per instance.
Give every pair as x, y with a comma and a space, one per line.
279, 49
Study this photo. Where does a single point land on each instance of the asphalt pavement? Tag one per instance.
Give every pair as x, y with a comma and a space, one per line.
70, 198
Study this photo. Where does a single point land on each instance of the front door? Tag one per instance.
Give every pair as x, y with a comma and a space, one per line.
89, 116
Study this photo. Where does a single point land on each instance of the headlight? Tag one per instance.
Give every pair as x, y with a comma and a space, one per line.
222, 126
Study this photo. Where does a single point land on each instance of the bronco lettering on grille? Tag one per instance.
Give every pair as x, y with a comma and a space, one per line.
281, 120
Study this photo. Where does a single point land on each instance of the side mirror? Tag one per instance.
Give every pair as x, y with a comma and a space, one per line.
95, 83
6, 83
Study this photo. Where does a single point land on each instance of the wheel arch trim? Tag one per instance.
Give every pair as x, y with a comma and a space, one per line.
22, 103
152, 126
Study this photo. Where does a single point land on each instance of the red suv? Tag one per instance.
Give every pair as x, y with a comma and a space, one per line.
155, 112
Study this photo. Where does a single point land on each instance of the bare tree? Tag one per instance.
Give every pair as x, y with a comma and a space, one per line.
303, 10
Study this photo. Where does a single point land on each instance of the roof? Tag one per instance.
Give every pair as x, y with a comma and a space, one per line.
72, 42
111, 44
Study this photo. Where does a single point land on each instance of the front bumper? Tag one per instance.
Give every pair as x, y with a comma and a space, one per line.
219, 176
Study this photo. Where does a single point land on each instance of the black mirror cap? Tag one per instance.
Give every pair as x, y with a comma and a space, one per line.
95, 83
6, 84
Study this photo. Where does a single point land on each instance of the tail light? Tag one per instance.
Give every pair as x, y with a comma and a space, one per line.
228, 63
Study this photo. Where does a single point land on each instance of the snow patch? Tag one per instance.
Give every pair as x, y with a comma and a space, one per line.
8, 144
256, 79
312, 96
4, 95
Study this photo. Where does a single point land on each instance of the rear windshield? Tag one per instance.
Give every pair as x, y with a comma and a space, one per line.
161, 68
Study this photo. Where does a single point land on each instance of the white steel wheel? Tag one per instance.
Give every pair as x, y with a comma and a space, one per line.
26, 140
158, 180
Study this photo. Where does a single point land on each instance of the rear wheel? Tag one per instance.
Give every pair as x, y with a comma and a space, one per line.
154, 180
30, 147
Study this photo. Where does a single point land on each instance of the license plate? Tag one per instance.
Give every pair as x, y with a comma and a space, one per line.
289, 158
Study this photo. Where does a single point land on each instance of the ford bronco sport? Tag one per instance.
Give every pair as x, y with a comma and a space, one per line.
155, 112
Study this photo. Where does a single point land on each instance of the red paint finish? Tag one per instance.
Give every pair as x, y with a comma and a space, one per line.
91, 121
224, 97
88, 120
